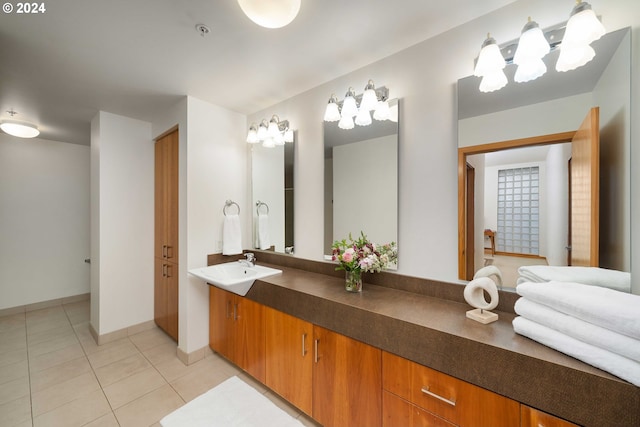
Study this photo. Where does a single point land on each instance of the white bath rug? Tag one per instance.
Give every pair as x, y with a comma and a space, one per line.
232, 403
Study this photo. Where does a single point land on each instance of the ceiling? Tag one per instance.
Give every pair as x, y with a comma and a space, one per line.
138, 58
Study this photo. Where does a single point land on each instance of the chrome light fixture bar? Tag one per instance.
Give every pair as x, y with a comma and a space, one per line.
270, 133
359, 107
573, 38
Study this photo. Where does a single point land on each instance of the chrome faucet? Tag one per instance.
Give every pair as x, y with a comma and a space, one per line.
250, 259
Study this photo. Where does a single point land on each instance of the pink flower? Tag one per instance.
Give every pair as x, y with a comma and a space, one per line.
347, 256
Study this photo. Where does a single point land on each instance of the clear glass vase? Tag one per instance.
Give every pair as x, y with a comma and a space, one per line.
353, 281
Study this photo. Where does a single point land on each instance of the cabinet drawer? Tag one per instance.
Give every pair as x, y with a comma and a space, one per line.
533, 418
397, 412
457, 401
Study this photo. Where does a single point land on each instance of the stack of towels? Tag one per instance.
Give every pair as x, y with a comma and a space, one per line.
618, 280
597, 325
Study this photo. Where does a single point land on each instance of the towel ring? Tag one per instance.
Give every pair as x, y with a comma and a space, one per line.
229, 203
259, 204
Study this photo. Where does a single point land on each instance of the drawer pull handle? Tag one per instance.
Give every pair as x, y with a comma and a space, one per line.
304, 349
315, 350
426, 391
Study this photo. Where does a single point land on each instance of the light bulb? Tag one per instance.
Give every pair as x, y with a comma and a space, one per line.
268, 143
332, 113
382, 110
346, 122
493, 81
288, 135
273, 130
349, 106
252, 136
369, 97
363, 118
19, 129
532, 47
262, 131
490, 58
270, 14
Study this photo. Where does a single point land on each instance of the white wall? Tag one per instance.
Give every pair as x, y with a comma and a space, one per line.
423, 77
557, 211
44, 220
122, 228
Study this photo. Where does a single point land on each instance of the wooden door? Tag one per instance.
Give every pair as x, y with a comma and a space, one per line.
249, 337
347, 381
160, 199
585, 191
160, 294
220, 322
171, 284
171, 195
288, 358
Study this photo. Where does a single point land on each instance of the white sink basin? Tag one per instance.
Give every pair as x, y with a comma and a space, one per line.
233, 276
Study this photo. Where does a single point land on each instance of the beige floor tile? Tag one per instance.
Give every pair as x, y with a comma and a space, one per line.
150, 408
14, 321
108, 420
16, 412
50, 313
86, 408
121, 369
112, 352
55, 358
14, 371
53, 344
10, 357
13, 390
196, 383
150, 338
59, 331
46, 378
62, 393
133, 387
161, 353
14, 339
172, 369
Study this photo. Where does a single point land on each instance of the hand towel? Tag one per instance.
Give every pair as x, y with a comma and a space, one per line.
263, 231
579, 329
615, 364
614, 279
231, 235
613, 310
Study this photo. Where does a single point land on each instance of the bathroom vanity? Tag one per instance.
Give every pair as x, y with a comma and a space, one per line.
402, 353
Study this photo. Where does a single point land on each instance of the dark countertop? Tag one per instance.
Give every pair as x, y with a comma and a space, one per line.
434, 331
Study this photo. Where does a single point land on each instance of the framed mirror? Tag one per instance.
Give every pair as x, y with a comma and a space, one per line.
361, 181
544, 113
272, 195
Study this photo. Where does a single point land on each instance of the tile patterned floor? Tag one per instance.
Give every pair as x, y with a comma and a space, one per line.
52, 373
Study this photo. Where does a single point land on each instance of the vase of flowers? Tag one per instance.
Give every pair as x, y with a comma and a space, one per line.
361, 256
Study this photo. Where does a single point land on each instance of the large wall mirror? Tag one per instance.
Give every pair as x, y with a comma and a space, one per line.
520, 137
272, 197
361, 181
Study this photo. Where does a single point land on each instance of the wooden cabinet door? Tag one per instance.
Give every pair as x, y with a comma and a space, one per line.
171, 195
530, 417
347, 381
288, 358
171, 283
249, 337
397, 412
220, 322
160, 314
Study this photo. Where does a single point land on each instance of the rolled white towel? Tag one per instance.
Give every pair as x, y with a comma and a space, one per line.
615, 364
613, 310
614, 279
579, 329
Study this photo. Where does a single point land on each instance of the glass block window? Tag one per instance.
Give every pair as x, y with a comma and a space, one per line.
518, 211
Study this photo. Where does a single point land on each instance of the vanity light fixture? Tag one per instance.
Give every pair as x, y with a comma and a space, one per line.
532, 47
272, 13
490, 66
359, 107
18, 128
583, 28
271, 133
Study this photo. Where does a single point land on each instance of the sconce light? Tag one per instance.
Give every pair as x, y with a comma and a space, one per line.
532, 47
270, 134
490, 66
270, 14
583, 29
18, 128
372, 99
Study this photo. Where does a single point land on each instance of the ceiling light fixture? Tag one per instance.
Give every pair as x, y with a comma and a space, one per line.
271, 133
271, 14
19, 128
360, 107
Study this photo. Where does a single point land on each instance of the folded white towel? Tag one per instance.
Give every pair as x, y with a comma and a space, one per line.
613, 310
579, 329
614, 279
615, 364
263, 231
490, 270
231, 235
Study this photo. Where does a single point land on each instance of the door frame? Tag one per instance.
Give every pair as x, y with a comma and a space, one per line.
464, 245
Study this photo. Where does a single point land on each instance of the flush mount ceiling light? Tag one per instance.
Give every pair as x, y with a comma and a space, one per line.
532, 47
360, 107
271, 133
270, 14
583, 28
19, 128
